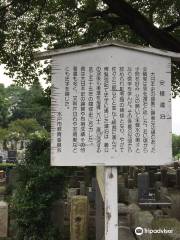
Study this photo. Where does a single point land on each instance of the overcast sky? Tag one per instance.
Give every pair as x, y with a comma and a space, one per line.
175, 104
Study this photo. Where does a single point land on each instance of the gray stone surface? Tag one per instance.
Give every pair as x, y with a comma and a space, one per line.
79, 218
143, 186
174, 211
82, 188
125, 233
132, 209
122, 209
143, 219
122, 190
133, 196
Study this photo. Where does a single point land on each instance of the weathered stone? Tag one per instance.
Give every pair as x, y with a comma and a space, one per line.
143, 219
125, 233
133, 195
143, 186
176, 164
3, 219
125, 175
171, 178
158, 190
132, 209
79, 218
131, 172
90, 194
151, 178
163, 193
175, 200
82, 188
131, 183
136, 171
164, 178
72, 192
122, 209
122, 190
157, 176
158, 213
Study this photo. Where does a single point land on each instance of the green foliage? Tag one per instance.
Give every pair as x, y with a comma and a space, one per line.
176, 145
20, 103
38, 186
33, 25
22, 128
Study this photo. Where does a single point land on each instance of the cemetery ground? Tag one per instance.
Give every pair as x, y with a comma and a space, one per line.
148, 197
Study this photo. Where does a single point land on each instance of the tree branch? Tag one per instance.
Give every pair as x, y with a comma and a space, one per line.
140, 25
171, 27
108, 16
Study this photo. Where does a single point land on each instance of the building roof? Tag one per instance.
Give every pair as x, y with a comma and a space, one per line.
49, 54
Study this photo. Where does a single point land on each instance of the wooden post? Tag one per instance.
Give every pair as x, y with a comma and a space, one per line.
111, 204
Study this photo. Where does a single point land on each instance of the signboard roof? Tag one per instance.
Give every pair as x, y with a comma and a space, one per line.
55, 52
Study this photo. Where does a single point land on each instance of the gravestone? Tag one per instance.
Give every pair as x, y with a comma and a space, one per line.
122, 209
122, 190
79, 218
175, 200
125, 233
133, 195
132, 209
164, 178
144, 219
158, 190
143, 186
3, 219
82, 188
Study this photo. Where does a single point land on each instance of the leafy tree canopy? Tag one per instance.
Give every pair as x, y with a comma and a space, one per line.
20, 103
26, 26
176, 145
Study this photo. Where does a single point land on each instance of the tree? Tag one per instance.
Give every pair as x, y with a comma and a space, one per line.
31, 103
176, 145
38, 185
27, 25
4, 107
23, 128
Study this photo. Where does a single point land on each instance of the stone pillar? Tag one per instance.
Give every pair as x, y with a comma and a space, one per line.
143, 186
158, 191
3, 219
79, 218
144, 219
132, 209
122, 190
82, 188
164, 177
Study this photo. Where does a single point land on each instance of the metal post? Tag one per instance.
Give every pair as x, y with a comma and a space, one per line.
111, 203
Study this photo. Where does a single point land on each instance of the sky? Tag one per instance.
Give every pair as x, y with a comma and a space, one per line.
175, 103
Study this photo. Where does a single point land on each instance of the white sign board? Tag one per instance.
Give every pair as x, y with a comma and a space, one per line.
111, 106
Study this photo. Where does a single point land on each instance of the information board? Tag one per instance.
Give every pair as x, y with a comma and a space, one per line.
111, 106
